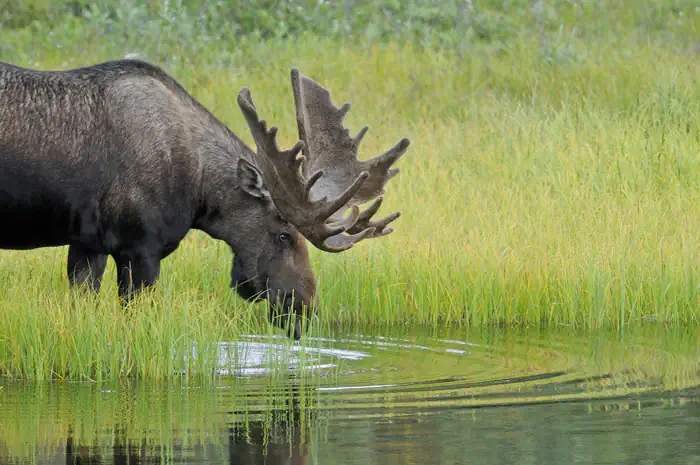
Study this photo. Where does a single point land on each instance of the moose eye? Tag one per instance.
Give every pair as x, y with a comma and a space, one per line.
284, 238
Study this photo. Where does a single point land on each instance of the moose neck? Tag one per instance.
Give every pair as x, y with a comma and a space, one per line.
219, 150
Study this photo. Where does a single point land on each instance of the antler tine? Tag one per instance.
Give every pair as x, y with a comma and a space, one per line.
332, 237
343, 110
310, 184
344, 224
345, 197
266, 139
335, 239
257, 126
388, 158
359, 136
342, 242
364, 221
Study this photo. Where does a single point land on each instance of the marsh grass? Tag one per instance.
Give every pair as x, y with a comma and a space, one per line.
541, 189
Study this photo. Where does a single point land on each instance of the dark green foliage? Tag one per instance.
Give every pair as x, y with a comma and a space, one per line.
428, 22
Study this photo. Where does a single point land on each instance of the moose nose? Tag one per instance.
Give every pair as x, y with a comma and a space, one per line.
294, 328
293, 305
295, 332
290, 303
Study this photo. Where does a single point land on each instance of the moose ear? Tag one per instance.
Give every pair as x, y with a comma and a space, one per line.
250, 179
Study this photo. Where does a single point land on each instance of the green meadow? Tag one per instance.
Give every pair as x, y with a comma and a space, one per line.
553, 178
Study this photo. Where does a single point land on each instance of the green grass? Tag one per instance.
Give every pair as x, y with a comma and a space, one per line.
552, 181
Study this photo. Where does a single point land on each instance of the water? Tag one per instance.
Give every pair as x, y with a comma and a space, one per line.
409, 397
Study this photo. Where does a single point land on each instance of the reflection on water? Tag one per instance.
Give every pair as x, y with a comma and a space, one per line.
277, 441
452, 398
149, 426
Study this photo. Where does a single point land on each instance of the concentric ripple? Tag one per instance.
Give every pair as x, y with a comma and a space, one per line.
361, 375
253, 357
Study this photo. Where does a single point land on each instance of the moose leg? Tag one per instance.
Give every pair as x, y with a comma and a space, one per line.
136, 270
85, 267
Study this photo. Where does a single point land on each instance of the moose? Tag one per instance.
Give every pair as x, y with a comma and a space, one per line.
118, 159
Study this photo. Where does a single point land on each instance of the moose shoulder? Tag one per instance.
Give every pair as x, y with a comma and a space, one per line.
118, 159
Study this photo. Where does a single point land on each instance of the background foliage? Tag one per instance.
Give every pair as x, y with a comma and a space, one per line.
198, 24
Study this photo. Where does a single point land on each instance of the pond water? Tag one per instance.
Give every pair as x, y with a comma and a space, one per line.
409, 397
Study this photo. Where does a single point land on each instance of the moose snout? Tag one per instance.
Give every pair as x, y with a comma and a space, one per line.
288, 292
283, 305
293, 329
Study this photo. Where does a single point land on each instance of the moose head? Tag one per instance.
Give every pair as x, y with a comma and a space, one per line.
304, 194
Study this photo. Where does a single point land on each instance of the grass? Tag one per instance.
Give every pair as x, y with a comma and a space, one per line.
552, 181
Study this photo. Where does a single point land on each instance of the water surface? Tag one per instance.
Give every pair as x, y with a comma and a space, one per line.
409, 396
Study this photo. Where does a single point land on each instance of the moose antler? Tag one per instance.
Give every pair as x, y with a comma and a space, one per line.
328, 145
301, 186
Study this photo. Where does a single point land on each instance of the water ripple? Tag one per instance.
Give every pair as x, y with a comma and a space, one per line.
380, 375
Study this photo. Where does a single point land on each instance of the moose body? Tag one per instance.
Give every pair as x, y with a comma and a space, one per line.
118, 159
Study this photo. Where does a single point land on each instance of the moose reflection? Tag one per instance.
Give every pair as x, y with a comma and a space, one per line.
280, 439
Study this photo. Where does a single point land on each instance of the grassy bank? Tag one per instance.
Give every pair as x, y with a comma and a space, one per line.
552, 180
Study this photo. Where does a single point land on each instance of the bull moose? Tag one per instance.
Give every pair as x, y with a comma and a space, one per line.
119, 159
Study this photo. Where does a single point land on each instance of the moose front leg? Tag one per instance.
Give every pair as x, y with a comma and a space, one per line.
135, 270
85, 268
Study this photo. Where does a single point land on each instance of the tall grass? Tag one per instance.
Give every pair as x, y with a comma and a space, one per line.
551, 181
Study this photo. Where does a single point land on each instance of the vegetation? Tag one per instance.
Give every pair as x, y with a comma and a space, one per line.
553, 177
